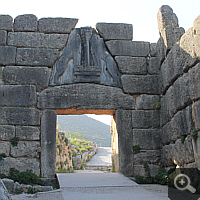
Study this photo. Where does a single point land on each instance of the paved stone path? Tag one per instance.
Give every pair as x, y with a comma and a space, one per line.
98, 185
101, 159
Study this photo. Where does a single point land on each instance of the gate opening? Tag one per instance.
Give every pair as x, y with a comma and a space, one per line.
69, 156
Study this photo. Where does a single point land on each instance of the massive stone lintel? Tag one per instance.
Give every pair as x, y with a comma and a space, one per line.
85, 59
85, 96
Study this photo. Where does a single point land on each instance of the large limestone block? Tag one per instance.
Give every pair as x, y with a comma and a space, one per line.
28, 133
48, 143
26, 22
26, 149
196, 31
115, 31
37, 40
166, 134
187, 43
147, 102
17, 95
19, 116
128, 48
7, 132
7, 55
132, 65
181, 124
153, 47
85, 96
164, 110
6, 22
145, 119
135, 84
166, 155
56, 25
147, 139
125, 141
5, 147
18, 75
194, 82
21, 164
180, 152
36, 56
150, 157
196, 111
173, 35
183, 153
3, 37
160, 51
153, 67
166, 17
196, 147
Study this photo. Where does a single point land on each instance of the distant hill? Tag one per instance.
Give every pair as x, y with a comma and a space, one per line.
92, 129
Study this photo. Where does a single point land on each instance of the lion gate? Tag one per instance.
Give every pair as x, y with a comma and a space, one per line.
49, 67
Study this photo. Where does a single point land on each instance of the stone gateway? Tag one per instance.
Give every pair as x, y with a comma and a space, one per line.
49, 67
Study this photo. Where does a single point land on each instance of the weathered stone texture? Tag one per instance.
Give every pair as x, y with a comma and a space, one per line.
5, 147
132, 65
196, 111
3, 37
150, 157
136, 84
115, 31
21, 164
6, 22
18, 75
128, 48
196, 147
37, 40
139, 170
25, 23
48, 144
182, 153
7, 132
9, 184
160, 51
27, 133
79, 96
1, 76
7, 55
4, 195
194, 80
56, 25
125, 135
153, 67
173, 35
166, 17
19, 116
196, 31
147, 139
36, 57
26, 149
145, 119
153, 47
168, 26
17, 95
181, 124
147, 102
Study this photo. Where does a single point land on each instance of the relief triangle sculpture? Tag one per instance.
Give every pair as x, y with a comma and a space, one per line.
85, 59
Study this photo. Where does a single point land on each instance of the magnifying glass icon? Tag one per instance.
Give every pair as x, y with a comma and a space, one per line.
183, 178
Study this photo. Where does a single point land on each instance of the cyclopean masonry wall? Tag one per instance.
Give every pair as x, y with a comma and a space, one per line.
49, 67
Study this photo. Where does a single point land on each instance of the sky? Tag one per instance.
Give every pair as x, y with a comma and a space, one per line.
141, 13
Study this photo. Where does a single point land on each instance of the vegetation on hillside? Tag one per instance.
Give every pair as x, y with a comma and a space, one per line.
92, 129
